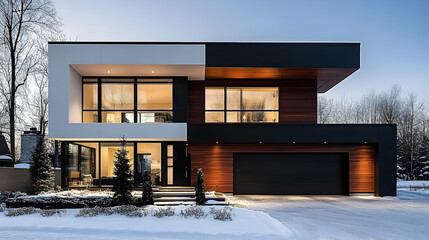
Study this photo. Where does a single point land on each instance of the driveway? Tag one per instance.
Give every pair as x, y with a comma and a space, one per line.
348, 217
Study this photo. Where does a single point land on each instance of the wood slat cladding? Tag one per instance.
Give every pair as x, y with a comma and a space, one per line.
298, 98
216, 160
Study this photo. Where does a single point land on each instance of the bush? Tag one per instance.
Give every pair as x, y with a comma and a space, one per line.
123, 183
147, 194
200, 195
43, 179
2, 207
130, 211
125, 210
193, 211
21, 211
52, 212
223, 214
163, 212
8, 194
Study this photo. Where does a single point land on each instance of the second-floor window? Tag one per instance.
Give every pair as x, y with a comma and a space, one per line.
241, 104
127, 100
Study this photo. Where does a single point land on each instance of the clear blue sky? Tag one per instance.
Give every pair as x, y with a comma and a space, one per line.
394, 33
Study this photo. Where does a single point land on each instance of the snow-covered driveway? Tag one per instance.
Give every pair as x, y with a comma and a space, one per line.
342, 217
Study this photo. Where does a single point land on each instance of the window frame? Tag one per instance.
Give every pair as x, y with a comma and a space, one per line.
225, 110
134, 80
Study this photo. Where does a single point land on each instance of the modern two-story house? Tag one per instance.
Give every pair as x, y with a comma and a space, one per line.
246, 113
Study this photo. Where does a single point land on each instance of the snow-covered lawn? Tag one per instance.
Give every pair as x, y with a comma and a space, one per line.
342, 217
245, 224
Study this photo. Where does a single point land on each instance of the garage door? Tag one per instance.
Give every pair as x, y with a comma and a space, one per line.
291, 173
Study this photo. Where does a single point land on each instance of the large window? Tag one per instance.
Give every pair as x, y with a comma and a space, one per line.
241, 104
127, 100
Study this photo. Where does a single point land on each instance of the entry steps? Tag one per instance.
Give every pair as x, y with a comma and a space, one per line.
168, 196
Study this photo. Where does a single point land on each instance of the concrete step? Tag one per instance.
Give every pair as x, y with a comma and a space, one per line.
173, 203
173, 194
174, 189
174, 199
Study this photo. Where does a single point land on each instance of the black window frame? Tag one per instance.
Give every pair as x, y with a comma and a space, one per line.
225, 110
135, 81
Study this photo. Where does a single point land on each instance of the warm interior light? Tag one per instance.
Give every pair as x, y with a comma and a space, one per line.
108, 71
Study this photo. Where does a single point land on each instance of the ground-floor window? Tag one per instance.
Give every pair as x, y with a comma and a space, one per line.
92, 163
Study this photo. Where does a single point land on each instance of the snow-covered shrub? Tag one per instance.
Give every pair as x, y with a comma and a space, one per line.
21, 211
51, 212
2, 207
123, 183
8, 194
223, 214
200, 195
42, 176
130, 211
147, 194
163, 212
95, 211
193, 211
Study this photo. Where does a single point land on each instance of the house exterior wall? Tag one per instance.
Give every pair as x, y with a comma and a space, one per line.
65, 92
217, 161
297, 100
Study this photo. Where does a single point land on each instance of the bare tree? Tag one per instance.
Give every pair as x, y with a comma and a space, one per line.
324, 109
22, 22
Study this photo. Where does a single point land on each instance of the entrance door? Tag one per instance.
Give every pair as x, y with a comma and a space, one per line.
149, 158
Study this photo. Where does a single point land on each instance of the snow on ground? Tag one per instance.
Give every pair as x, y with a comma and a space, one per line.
412, 184
348, 217
246, 224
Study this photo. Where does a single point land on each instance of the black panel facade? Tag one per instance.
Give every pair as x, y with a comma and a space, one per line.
283, 55
180, 99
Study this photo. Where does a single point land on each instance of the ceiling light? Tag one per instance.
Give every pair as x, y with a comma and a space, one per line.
108, 71
260, 142
153, 72
217, 142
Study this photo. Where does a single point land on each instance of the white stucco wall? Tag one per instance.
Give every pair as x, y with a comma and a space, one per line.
65, 87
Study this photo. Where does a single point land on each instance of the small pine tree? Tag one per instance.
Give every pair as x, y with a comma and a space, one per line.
123, 183
200, 195
42, 176
147, 197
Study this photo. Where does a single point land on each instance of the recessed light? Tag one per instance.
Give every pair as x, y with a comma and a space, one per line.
217, 142
108, 71
324, 142
153, 72
293, 142
260, 142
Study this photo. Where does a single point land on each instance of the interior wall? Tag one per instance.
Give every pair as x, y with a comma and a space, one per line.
75, 96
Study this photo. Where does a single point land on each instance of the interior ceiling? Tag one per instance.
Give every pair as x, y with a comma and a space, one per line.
326, 77
193, 72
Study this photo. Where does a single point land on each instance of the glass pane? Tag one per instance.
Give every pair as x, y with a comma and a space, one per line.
233, 100
260, 98
155, 117
72, 165
149, 158
170, 175
252, 117
170, 162
117, 117
212, 117
154, 80
117, 96
87, 164
169, 150
90, 96
94, 167
117, 80
90, 117
215, 98
155, 96
108, 153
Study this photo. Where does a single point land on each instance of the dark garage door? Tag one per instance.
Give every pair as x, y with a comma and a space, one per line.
291, 173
